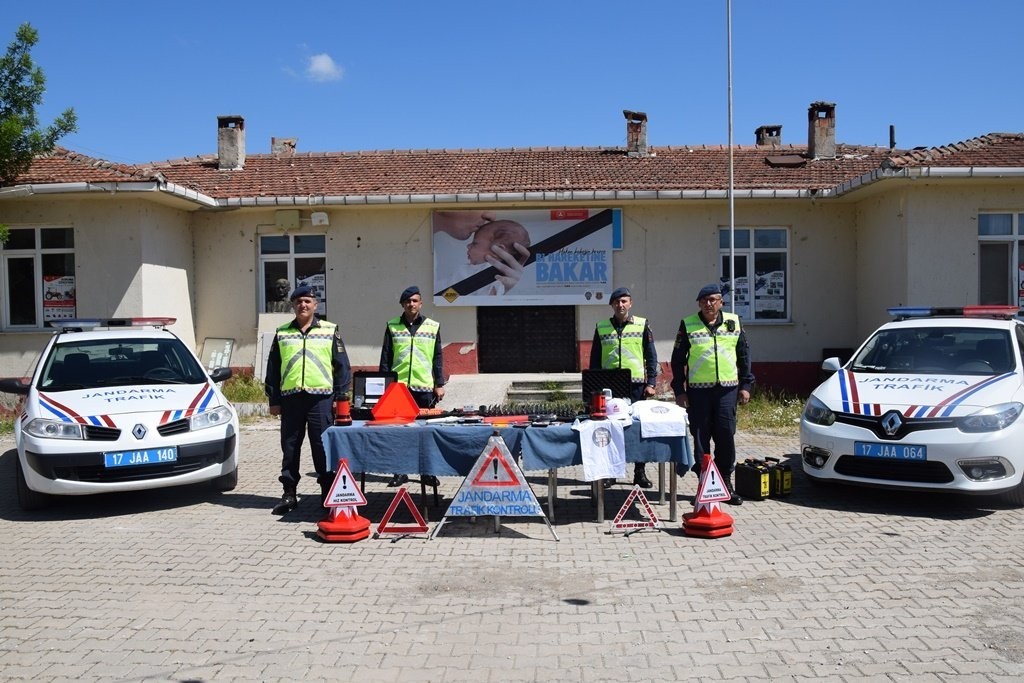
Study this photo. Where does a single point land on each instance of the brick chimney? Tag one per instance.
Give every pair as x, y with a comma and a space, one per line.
636, 133
230, 143
283, 147
821, 130
768, 135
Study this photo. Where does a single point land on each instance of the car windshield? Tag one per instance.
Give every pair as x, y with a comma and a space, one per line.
119, 362
937, 350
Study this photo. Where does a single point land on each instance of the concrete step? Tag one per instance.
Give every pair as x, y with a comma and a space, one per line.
539, 391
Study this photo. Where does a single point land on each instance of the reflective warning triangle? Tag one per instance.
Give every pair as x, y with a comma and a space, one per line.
419, 527
495, 486
344, 490
712, 488
652, 519
495, 470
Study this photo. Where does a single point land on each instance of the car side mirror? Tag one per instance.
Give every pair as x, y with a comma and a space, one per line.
220, 374
831, 364
15, 385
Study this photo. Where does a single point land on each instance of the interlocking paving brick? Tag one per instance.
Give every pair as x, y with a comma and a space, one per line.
829, 583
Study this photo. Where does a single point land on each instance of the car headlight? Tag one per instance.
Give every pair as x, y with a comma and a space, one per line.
53, 429
991, 419
818, 413
212, 418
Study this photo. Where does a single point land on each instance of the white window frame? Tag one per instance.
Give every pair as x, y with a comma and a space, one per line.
1014, 240
36, 254
763, 299
289, 259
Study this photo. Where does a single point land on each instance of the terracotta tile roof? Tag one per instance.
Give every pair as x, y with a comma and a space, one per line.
514, 170
64, 166
992, 150
545, 169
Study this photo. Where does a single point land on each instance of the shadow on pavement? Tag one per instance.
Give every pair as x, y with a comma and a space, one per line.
882, 501
66, 508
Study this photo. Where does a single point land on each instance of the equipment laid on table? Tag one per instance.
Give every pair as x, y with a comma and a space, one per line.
595, 381
367, 388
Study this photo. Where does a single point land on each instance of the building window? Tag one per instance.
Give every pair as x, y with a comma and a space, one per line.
1001, 258
37, 269
287, 261
761, 256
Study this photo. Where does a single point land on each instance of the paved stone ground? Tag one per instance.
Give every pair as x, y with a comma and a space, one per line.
826, 584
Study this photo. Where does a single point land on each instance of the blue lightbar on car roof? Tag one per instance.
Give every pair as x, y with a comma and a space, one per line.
909, 311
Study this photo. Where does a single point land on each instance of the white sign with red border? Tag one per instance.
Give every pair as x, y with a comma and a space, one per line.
344, 491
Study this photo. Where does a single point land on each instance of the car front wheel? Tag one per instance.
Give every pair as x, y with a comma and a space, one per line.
27, 498
226, 482
1015, 496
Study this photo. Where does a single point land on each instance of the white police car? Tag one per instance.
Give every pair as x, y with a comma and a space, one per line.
120, 405
932, 400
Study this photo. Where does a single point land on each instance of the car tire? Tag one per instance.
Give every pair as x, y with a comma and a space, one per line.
226, 482
27, 498
818, 483
1015, 496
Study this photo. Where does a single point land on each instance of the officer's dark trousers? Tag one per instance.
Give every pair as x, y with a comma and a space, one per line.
712, 415
300, 413
424, 399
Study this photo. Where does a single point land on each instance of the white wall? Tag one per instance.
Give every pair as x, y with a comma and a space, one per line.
118, 242
669, 252
882, 253
899, 242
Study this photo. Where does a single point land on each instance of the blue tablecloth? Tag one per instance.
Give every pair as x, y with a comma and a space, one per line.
451, 450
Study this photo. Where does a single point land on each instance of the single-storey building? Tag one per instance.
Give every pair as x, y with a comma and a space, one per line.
825, 237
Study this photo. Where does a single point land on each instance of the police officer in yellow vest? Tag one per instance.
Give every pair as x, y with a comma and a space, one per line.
627, 341
710, 372
412, 350
307, 371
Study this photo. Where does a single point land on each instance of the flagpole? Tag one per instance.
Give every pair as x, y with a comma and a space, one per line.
732, 202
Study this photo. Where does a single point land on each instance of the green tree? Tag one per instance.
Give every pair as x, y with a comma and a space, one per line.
22, 84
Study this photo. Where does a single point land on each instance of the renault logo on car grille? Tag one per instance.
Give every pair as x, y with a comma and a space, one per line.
139, 432
891, 422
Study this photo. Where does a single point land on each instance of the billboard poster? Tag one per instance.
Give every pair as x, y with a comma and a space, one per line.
58, 297
742, 296
564, 257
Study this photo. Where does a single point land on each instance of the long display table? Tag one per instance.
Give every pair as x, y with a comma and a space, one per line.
446, 450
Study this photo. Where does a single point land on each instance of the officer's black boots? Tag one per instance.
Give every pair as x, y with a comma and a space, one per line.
640, 476
398, 480
288, 503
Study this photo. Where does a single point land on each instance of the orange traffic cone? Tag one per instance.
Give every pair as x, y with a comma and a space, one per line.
343, 525
707, 520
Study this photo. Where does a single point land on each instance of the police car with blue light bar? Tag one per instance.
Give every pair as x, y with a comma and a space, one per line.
930, 401
120, 404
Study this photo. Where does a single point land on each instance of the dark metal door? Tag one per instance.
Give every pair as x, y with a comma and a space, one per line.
527, 339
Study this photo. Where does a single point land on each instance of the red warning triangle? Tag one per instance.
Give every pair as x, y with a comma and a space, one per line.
402, 497
652, 519
495, 471
712, 487
395, 406
344, 491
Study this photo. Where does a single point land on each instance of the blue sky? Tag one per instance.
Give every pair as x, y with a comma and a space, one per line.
148, 80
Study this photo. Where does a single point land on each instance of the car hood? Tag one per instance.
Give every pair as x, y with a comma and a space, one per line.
101, 405
914, 395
